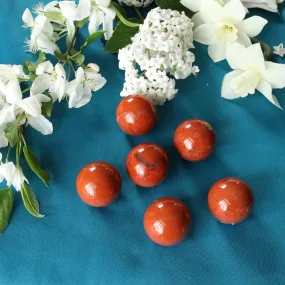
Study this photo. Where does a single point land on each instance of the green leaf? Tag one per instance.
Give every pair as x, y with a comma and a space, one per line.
29, 66
82, 23
121, 10
60, 56
174, 5
41, 58
6, 205
92, 38
34, 163
123, 19
266, 49
78, 59
54, 16
47, 106
30, 201
11, 133
21, 116
121, 37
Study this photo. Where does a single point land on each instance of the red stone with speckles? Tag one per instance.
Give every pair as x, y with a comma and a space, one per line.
230, 200
98, 184
147, 165
136, 115
167, 221
194, 140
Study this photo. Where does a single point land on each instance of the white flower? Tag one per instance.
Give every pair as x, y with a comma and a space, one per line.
51, 78
225, 25
270, 5
42, 34
13, 176
101, 14
137, 3
279, 50
154, 84
70, 10
251, 73
8, 72
80, 89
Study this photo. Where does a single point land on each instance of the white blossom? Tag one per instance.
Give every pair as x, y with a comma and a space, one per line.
160, 48
251, 73
279, 50
42, 33
136, 3
50, 78
101, 14
13, 176
80, 89
225, 25
70, 10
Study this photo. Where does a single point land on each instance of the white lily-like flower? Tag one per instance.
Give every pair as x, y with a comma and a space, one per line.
70, 10
42, 34
251, 73
50, 78
80, 89
225, 25
101, 14
13, 176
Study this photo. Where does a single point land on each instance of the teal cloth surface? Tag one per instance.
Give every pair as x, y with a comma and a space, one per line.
77, 244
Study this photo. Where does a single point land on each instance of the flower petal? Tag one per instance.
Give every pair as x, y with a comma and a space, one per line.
85, 98
217, 52
253, 58
243, 39
13, 91
233, 55
211, 11
275, 74
45, 44
70, 29
197, 20
108, 27
3, 143
95, 81
59, 69
40, 84
96, 19
31, 106
83, 9
7, 115
104, 3
265, 88
28, 18
205, 34
192, 5
80, 75
43, 67
227, 91
233, 12
252, 26
68, 9
41, 124
8, 170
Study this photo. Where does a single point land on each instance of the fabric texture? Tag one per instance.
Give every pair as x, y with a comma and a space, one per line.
76, 244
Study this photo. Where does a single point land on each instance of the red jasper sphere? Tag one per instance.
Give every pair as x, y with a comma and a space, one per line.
98, 184
194, 140
136, 115
167, 221
230, 200
147, 164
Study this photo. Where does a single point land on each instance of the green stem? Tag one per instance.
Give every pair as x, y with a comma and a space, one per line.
72, 41
26, 90
8, 153
142, 74
139, 14
23, 139
69, 70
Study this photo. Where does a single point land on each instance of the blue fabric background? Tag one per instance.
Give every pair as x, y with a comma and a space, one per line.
77, 244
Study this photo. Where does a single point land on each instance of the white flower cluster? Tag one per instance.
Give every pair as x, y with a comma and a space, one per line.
57, 19
161, 47
137, 3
